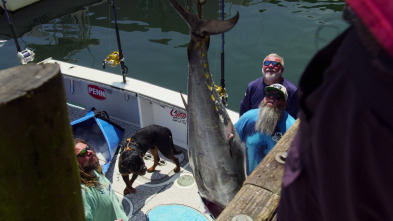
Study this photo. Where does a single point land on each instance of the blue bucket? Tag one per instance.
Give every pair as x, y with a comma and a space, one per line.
174, 212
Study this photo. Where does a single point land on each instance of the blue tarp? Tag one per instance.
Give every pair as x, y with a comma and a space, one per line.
175, 212
102, 134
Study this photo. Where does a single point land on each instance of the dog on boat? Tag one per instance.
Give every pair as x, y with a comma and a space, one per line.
154, 138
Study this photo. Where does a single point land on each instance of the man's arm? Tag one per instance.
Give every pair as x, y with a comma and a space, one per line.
292, 107
245, 104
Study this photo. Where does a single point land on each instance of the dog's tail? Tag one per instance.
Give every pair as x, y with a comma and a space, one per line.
175, 151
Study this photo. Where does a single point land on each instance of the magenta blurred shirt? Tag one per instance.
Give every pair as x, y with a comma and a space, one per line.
377, 15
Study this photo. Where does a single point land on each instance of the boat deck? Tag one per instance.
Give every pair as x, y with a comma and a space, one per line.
162, 187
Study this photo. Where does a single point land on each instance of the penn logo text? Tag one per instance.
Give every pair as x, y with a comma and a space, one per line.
96, 92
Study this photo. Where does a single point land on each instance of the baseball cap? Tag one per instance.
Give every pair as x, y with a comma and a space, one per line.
279, 88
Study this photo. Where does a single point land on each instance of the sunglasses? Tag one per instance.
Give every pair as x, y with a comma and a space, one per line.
275, 63
275, 96
84, 151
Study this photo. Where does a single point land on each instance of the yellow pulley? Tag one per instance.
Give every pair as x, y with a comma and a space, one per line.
222, 93
113, 59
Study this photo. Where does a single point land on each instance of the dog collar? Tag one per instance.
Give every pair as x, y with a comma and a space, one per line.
128, 144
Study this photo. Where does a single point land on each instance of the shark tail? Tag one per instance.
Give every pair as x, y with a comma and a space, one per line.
202, 27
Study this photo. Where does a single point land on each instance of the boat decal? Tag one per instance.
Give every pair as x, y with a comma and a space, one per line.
179, 116
96, 92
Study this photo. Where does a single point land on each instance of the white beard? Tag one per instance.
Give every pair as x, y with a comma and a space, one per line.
272, 76
268, 118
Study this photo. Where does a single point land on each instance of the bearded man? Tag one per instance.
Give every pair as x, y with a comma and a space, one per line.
272, 70
260, 129
99, 200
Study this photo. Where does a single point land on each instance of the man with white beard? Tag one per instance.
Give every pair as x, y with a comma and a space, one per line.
272, 70
260, 129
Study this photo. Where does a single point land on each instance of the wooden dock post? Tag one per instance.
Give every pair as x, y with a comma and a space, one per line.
39, 175
259, 197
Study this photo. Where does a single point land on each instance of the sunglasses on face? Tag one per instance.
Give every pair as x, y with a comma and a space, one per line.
275, 96
84, 151
275, 63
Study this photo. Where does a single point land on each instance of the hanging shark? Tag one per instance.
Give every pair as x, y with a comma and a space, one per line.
214, 150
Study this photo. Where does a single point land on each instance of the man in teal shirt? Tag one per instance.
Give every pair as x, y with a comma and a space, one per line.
260, 129
99, 200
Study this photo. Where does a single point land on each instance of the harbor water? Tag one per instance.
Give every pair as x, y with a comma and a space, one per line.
154, 38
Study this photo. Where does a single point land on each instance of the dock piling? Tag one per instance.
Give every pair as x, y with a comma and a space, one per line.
39, 175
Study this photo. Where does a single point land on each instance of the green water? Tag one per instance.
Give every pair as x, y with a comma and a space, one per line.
154, 39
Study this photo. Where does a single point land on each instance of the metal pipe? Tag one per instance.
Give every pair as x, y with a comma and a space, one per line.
124, 68
11, 26
222, 49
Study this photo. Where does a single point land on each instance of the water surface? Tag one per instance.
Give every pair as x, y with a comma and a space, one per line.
154, 39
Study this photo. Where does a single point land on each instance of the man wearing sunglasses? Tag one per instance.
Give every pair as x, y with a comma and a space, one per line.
272, 70
260, 129
99, 200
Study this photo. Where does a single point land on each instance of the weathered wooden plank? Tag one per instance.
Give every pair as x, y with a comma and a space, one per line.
268, 174
259, 196
39, 175
253, 201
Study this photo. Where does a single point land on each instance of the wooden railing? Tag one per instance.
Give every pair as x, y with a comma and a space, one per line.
259, 197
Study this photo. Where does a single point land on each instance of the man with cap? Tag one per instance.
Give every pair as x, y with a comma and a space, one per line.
272, 70
260, 129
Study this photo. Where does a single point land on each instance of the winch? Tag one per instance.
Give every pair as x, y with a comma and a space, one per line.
113, 59
116, 57
25, 56
222, 93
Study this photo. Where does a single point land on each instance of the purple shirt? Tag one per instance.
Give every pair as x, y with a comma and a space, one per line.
256, 92
379, 20
339, 165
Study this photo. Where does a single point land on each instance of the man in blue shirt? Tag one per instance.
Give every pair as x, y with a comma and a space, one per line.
272, 70
260, 129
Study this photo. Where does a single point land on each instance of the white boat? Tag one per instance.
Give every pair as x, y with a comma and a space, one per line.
14, 5
133, 105
28, 14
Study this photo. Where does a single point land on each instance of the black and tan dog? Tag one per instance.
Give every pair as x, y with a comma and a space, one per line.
153, 137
